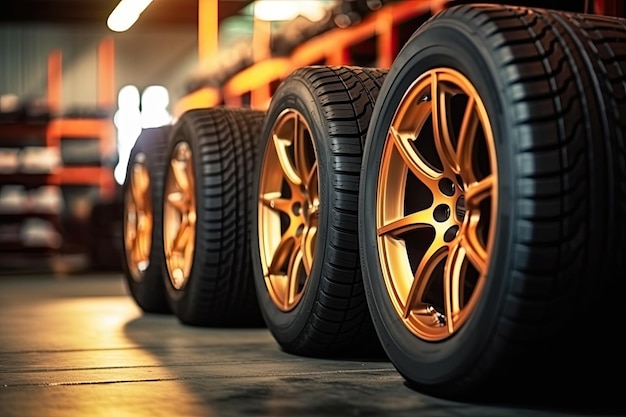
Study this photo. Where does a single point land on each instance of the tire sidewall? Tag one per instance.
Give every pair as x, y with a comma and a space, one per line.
287, 326
438, 44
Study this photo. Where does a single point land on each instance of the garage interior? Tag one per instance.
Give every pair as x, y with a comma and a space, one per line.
73, 342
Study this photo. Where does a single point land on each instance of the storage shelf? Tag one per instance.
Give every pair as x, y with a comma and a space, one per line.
19, 247
27, 178
99, 175
19, 223
17, 217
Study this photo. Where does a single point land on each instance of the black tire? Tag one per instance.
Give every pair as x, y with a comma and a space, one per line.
142, 260
320, 114
208, 276
551, 227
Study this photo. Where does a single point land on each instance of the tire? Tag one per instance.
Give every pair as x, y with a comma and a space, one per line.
305, 254
142, 233
488, 261
208, 276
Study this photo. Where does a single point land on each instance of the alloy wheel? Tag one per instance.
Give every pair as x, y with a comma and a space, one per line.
288, 209
179, 214
436, 204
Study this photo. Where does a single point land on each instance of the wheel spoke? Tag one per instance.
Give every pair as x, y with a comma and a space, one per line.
283, 271
182, 237
414, 221
281, 255
441, 126
474, 248
130, 223
140, 182
312, 184
293, 273
131, 239
312, 197
477, 192
181, 178
467, 138
141, 252
423, 276
274, 201
300, 150
289, 171
472, 243
178, 201
138, 224
452, 284
420, 168
176, 266
132, 242
308, 247
142, 240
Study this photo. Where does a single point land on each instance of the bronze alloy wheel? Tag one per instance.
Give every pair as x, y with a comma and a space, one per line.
288, 209
437, 204
138, 219
142, 190
179, 216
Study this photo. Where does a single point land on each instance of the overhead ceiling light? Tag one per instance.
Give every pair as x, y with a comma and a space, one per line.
126, 14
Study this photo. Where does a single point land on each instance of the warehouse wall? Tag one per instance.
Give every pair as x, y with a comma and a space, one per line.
166, 57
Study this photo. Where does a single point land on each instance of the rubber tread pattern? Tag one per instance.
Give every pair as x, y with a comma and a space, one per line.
563, 76
339, 323
220, 291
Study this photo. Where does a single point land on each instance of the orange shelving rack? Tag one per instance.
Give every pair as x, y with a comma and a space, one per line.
93, 128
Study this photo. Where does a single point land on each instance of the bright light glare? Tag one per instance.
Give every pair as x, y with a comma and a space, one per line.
128, 97
276, 10
154, 102
127, 119
126, 14
135, 113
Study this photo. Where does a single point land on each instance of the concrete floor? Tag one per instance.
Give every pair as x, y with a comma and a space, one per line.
79, 346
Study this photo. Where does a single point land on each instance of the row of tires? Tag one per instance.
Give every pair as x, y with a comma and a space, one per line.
462, 213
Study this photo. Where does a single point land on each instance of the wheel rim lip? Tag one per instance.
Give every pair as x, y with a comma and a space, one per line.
270, 226
397, 272
138, 238
179, 218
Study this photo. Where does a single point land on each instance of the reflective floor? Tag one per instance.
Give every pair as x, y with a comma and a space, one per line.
78, 346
